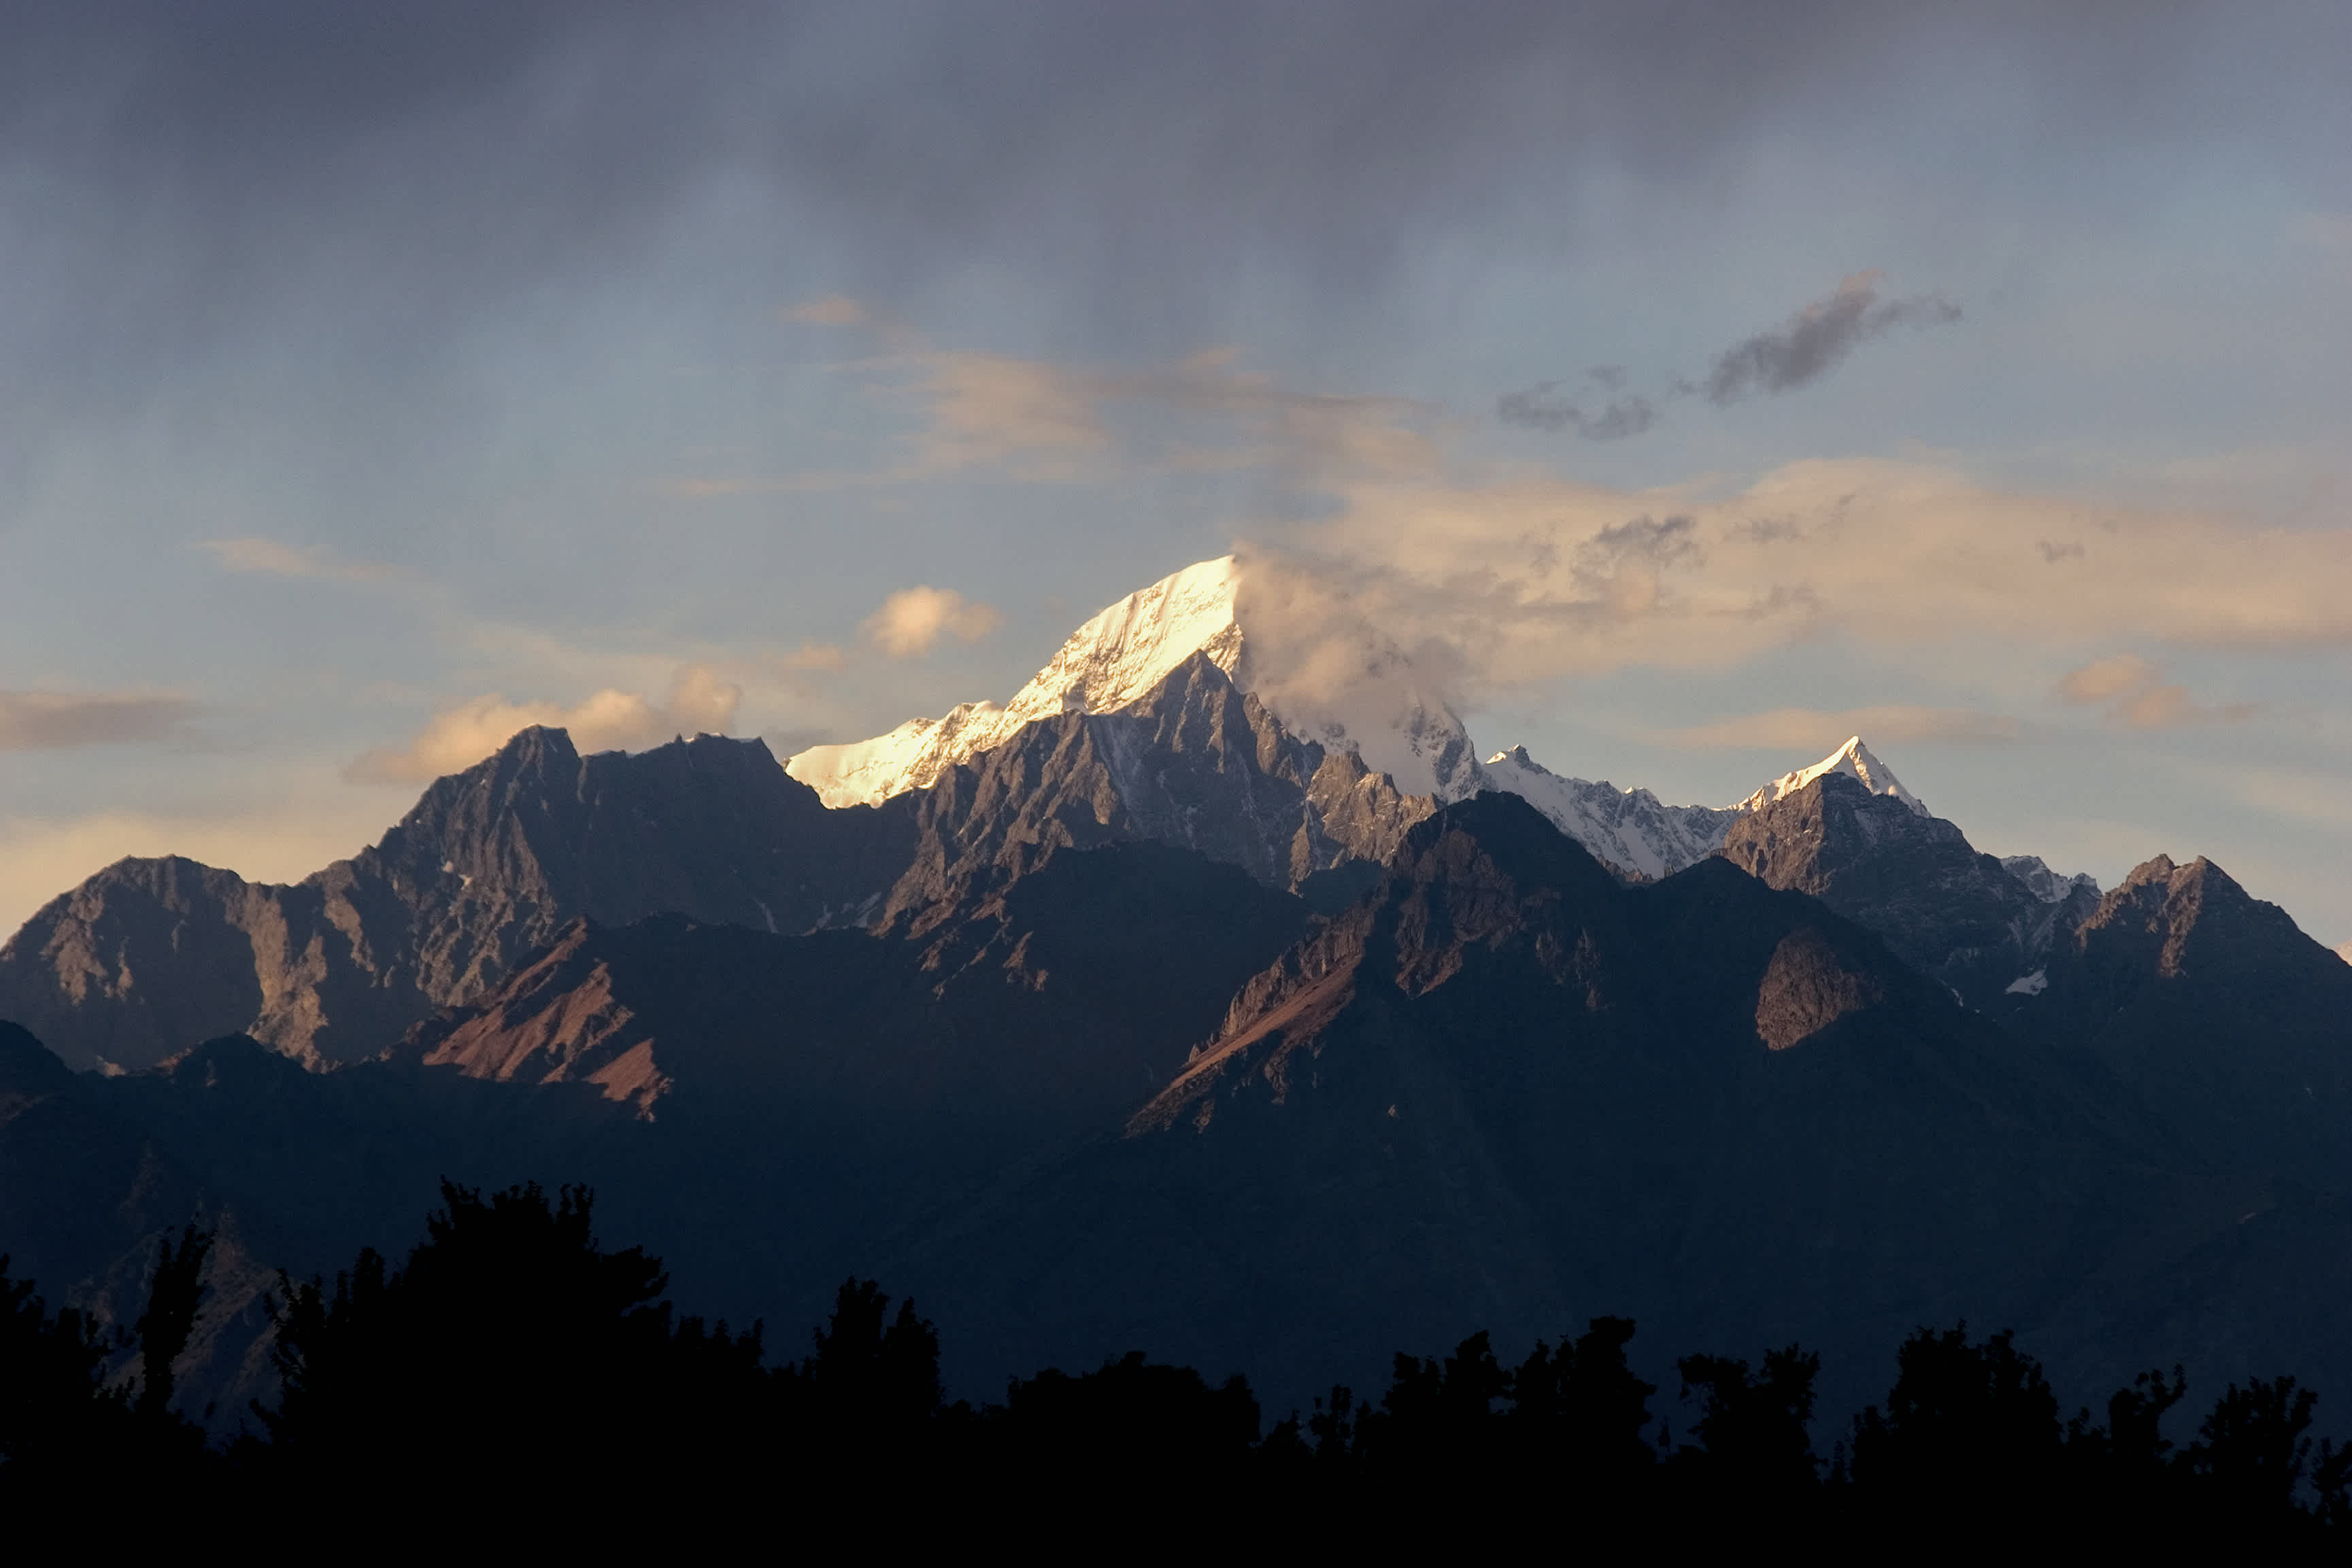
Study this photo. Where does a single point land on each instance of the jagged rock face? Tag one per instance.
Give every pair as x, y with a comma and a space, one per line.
1055, 986
2233, 1024
1952, 914
1198, 764
150, 956
1490, 887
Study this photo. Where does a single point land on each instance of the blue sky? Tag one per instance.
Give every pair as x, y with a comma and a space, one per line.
372, 381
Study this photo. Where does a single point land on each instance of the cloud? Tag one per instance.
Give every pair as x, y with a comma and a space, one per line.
2105, 678
60, 721
277, 559
699, 703
833, 310
1530, 578
812, 656
1041, 420
1802, 729
1813, 342
991, 408
911, 620
2139, 699
1539, 407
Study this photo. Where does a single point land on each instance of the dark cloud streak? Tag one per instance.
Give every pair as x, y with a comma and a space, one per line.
1816, 339
59, 721
1539, 407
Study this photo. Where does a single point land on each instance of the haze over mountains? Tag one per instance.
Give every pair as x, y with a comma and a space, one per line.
1144, 1010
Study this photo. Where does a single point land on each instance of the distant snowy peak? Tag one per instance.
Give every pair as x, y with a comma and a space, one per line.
2344, 952
1632, 831
1116, 660
1629, 829
1852, 760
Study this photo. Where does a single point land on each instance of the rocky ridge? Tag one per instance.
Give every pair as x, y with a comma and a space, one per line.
150, 955
1964, 919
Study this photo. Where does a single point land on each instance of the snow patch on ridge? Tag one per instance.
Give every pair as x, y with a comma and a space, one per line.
2049, 886
1629, 829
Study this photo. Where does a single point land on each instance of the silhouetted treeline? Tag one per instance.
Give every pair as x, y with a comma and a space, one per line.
512, 1359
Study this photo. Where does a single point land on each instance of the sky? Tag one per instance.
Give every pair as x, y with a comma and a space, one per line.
1686, 386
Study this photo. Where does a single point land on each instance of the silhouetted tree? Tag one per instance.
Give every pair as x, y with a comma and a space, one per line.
872, 1382
56, 1417
2254, 1455
163, 1329
66, 1435
1130, 1428
511, 1335
1437, 1414
1968, 1440
1578, 1413
1756, 1454
2129, 1465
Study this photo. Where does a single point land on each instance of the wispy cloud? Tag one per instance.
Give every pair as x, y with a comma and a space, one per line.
276, 558
698, 702
1049, 422
2137, 697
1801, 728
1527, 579
912, 621
59, 721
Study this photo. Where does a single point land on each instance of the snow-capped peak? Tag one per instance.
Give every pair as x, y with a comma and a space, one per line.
1852, 760
1118, 659
1120, 656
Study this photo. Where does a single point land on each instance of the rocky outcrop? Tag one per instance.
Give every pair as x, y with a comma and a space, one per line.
150, 956
1198, 764
2218, 1010
1962, 917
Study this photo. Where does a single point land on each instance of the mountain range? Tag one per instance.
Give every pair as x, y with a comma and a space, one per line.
1144, 1010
